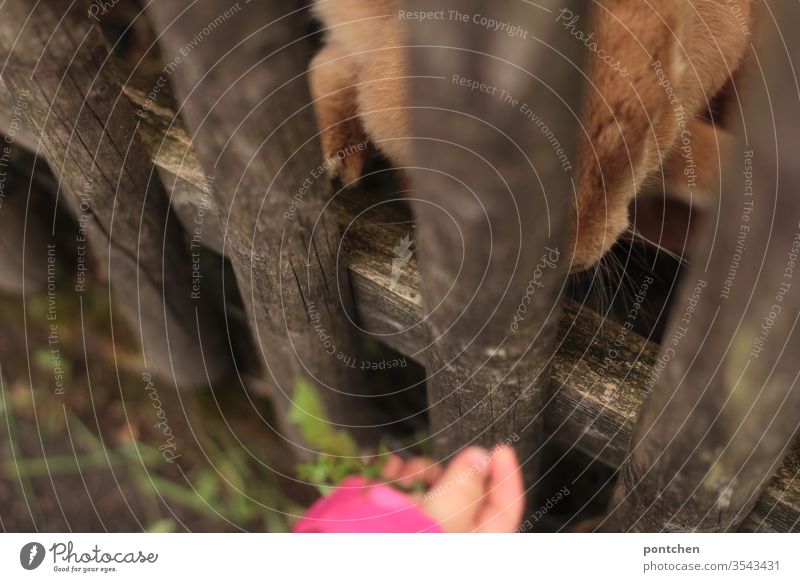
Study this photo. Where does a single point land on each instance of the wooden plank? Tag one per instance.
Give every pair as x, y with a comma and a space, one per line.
239, 70
56, 67
12, 121
723, 415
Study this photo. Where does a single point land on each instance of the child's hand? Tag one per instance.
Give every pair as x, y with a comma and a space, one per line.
480, 490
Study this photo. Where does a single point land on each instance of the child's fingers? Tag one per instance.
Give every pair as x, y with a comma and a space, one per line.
419, 470
505, 498
468, 468
391, 469
455, 499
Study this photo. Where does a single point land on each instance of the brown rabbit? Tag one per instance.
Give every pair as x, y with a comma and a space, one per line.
643, 115
679, 54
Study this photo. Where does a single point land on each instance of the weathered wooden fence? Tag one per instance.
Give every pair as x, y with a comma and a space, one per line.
507, 354
723, 414
491, 217
87, 131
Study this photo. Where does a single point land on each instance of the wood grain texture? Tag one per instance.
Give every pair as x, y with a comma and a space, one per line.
239, 71
595, 399
491, 220
57, 68
724, 414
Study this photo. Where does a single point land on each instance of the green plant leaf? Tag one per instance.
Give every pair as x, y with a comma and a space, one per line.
163, 526
309, 414
339, 455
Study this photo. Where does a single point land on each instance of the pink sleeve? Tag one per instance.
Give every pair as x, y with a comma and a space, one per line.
359, 506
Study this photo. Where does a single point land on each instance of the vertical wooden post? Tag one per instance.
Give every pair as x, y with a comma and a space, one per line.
56, 67
723, 410
495, 118
239, 73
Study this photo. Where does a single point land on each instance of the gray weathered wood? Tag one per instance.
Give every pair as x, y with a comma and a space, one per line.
245, 97
592, 411
598, 382
55, 62
595, 397
12, 122
724, 413
491, 199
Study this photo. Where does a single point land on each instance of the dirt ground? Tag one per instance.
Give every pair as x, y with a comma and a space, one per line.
80, 445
